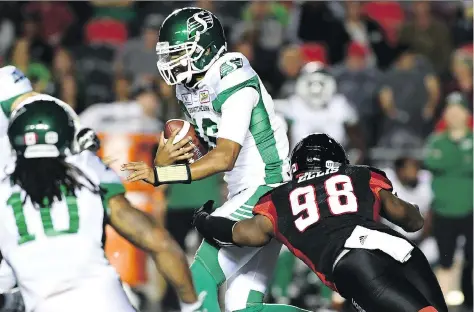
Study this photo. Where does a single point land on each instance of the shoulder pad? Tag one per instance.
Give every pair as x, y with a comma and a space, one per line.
230, 70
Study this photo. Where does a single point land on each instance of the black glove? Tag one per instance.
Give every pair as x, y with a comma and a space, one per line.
87, 139
216, 230
12, 301
200, 215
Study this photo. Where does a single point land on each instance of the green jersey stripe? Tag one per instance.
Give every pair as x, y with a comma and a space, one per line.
261, 130
112, 189
7, 105
244, 213
237, 217
261, 190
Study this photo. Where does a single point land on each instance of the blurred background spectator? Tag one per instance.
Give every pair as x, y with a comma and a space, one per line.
408, 98
137, 55
138, 115
38, 73
354, 75
67, 83
428, 36
367, 32
288, 69
404, 68
54, 19
315, 22
449, 158
39, 49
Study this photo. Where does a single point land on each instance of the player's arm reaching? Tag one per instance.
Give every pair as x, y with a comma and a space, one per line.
233, 127
254, 232
405, 215
396, 210
144, 232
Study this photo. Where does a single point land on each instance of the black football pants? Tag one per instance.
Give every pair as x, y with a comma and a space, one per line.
374, 282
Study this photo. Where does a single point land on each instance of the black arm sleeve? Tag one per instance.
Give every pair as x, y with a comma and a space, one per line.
216, 229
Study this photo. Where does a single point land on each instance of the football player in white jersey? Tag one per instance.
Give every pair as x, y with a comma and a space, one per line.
317, 107
230, 109
15, 91
55, 207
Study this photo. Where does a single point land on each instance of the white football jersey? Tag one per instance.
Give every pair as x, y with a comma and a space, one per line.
53, 250
13, 83
304, 119
263, 157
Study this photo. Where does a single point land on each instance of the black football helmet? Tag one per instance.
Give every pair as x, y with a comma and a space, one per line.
317, 152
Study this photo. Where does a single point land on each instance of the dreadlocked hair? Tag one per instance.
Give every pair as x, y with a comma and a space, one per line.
47, 179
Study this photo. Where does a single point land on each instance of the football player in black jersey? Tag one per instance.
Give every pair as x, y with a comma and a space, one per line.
328, 217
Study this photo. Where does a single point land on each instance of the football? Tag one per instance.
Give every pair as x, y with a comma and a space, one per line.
186, 130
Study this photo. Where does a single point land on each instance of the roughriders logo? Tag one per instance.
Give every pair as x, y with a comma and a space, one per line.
199, 22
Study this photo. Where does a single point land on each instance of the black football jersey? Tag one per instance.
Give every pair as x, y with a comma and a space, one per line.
316, 213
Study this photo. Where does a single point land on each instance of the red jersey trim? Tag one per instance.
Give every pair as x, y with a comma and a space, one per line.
379, 182
266, 208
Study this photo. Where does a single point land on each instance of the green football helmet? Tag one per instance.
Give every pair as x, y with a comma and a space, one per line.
41, 129
190, 41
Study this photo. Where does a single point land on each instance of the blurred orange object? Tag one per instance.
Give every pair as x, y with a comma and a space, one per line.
128, 260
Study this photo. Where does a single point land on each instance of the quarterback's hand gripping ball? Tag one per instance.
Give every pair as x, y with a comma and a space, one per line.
193, 145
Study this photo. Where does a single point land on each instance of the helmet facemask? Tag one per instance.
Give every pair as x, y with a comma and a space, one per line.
192, 49
176, 62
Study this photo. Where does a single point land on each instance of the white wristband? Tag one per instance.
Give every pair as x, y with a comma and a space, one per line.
173, 174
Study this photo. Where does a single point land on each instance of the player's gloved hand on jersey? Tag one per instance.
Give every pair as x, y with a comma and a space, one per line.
200, 219
169, 153
87, 139
217, 231
195, 307
12, 301
202, 213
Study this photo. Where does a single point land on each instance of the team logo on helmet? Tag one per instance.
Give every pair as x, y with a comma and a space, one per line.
199, 22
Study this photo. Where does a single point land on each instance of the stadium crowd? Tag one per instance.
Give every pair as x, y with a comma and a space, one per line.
405, 68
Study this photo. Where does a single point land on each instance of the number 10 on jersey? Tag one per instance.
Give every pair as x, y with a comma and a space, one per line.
303, 199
